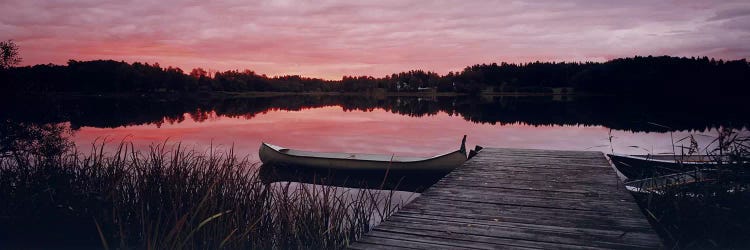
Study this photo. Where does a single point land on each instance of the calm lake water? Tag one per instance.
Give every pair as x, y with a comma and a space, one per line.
411, 126
415, 126
333, 129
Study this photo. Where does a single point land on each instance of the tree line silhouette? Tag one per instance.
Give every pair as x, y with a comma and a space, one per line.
664, 75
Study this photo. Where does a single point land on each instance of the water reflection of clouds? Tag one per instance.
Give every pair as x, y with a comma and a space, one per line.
335, 130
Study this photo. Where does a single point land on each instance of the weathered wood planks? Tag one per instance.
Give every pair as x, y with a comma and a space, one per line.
521, 199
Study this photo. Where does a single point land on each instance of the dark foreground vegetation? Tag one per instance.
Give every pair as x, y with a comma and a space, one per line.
166, 198
637, 76
712, 211
710, 214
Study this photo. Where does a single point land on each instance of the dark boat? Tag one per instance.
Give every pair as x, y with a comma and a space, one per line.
410, 181
659, 183
647, 166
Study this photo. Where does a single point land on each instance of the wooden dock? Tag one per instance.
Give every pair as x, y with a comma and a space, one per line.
520, 198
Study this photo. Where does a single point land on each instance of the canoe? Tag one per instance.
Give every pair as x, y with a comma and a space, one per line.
646, 166
281, 156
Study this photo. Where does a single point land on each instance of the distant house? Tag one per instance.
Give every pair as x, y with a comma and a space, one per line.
563, 91
378, 92
426, 90
488, 90
401, 86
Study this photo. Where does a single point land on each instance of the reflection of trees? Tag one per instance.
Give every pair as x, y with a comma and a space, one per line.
30, 138
610, 112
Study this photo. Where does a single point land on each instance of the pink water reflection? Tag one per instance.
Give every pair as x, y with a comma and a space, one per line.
335, 130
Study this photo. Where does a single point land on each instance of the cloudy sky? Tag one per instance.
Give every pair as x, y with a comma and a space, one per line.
344, 37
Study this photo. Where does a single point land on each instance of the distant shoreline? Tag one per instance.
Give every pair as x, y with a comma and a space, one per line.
256, 94
656, 77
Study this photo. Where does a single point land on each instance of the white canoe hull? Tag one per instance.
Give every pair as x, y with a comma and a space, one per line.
275, 155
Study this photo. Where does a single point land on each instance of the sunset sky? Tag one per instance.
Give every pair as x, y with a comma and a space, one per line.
329, 39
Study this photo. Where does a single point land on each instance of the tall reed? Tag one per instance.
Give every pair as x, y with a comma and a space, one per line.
712, 210
170, 197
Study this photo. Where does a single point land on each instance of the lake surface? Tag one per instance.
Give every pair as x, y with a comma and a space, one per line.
333, 129
409, 126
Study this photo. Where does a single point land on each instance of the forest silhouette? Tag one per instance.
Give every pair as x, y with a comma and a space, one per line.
636, 76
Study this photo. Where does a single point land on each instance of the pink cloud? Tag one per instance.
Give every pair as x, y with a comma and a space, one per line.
333, 38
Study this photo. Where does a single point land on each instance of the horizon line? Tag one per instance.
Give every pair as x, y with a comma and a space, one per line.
212, 72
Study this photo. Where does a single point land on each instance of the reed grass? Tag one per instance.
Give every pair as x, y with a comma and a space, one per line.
170, 197
710, 212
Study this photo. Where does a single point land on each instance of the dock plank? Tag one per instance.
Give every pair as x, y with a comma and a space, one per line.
520, 198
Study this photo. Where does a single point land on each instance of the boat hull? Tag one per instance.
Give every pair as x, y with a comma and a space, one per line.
274, 155
410, 181
660, 183
634, 167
